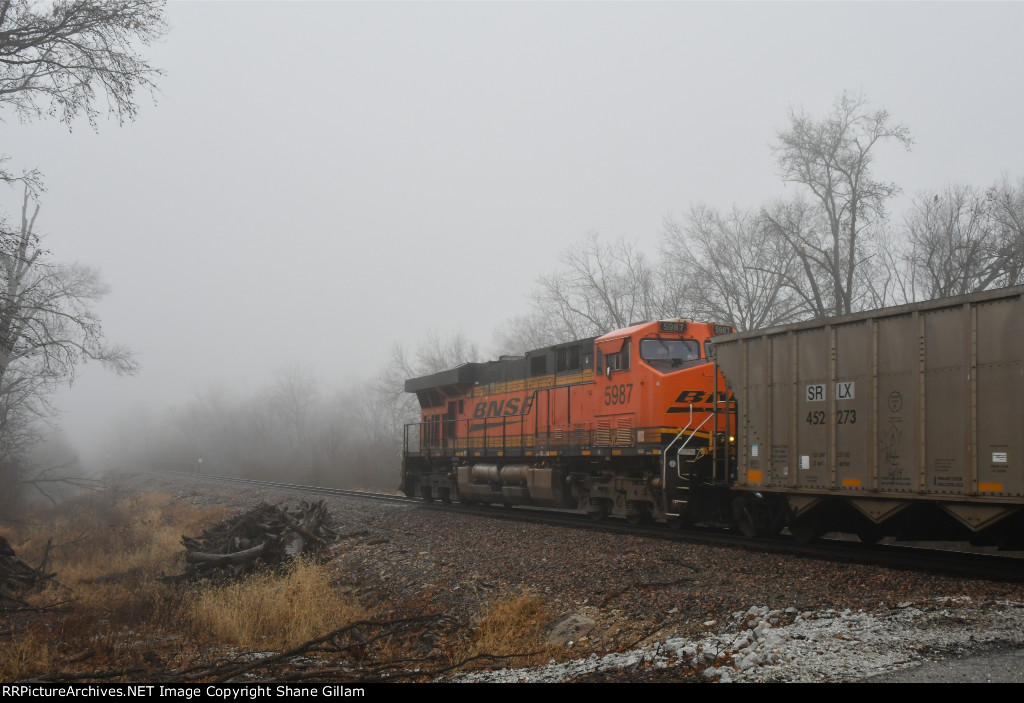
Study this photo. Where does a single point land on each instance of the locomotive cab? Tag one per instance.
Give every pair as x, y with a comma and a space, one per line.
660, 387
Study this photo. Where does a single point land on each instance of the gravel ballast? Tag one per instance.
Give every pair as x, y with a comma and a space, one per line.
656, 609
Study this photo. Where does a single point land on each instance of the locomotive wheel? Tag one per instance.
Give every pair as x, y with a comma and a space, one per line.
638, 517
598, 511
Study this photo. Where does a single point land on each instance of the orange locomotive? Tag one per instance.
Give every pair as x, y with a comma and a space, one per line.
623, 424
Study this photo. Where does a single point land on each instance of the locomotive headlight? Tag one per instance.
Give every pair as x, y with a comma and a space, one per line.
732, 440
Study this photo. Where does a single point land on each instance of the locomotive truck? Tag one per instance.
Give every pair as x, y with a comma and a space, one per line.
905, 421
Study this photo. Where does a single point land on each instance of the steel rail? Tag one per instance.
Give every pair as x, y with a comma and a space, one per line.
902, 556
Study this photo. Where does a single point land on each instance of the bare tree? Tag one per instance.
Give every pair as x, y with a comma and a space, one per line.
290, 429
831, 233
600, 287
728, 269
950, 246
73, 57
293, 405
531, 330
47, 328
960, 240
1005, 204
435, 353
62, 59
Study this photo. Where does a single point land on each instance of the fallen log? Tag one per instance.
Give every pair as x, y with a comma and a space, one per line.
265, 535
242, 557
18, 578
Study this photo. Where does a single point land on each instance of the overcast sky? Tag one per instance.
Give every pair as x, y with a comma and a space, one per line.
319, 180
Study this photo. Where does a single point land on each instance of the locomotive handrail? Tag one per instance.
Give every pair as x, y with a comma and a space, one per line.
679, 451
664, 457
668, 448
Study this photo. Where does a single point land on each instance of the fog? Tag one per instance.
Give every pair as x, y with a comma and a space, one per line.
317, 181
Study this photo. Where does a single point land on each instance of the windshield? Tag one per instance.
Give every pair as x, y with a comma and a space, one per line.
667, 355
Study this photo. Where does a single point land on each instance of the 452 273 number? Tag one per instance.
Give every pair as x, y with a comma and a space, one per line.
843, 417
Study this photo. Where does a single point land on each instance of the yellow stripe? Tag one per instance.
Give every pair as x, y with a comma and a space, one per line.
851, 481
996, 487
538, 383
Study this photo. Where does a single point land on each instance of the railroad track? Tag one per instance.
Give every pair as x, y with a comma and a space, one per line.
905, 556
300, 488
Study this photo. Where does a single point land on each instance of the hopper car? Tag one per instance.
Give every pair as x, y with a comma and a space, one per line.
905, 421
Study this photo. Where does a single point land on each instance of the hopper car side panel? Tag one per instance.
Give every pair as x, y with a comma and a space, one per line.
896, 421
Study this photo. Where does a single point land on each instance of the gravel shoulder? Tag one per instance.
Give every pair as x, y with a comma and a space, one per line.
648, 609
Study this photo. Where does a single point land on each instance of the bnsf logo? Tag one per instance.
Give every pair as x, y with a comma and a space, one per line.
697, 399
688, 397
503, 408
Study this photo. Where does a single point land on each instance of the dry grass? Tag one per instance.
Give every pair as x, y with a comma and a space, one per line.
109, 551
24, 654
513, 627
274, 610
95, 535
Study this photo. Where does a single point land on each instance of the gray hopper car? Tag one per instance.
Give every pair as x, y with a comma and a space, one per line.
905, 421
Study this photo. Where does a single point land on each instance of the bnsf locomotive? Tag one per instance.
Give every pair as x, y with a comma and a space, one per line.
905, 421
622, 424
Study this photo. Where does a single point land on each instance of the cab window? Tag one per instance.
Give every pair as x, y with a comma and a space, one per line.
618, 361
667, 355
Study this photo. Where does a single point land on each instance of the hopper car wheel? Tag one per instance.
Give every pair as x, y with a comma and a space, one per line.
426, 494
756, 516
745, 512
747, 527
804, 529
